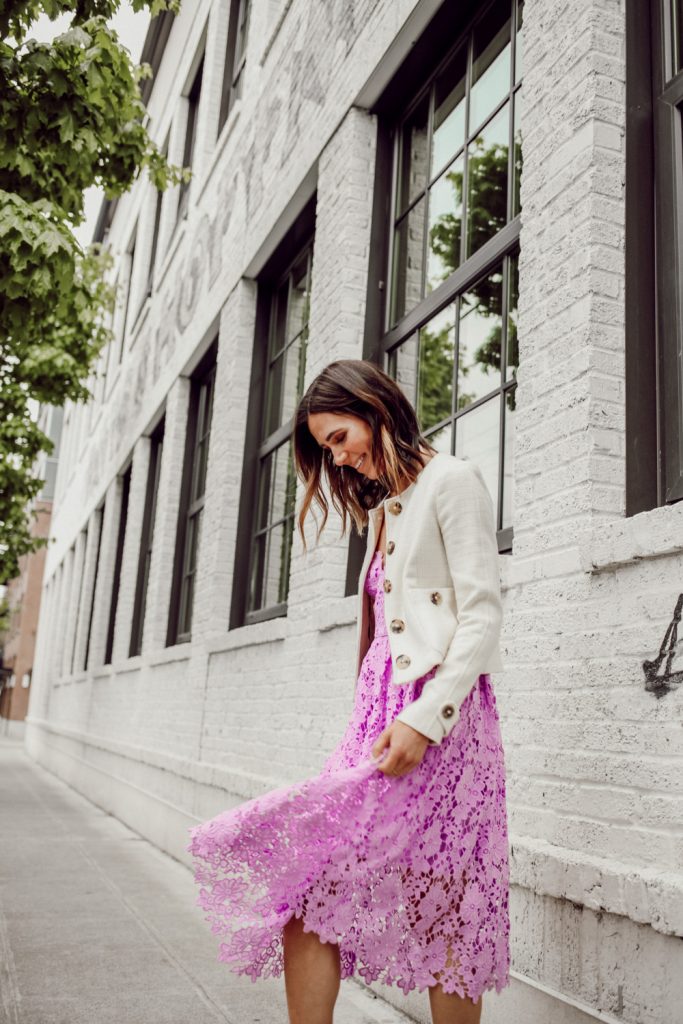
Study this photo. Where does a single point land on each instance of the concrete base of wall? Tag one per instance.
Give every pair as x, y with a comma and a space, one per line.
144, 796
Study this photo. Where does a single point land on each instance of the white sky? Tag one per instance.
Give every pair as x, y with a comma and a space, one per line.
131, 29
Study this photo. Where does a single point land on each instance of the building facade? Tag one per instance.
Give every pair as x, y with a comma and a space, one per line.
484, 199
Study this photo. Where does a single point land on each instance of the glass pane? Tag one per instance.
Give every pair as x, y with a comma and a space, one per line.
437, 353
517, 156
257, 563
286, 558
487, 181
412, 179
403, 368
408, 259
279, 319
285, 383
299, 299
273, 566
479, 341
277, 490
445, 225
491, 64
441, 439
519, 43
512, 354
449, 112
476, 436
509, 457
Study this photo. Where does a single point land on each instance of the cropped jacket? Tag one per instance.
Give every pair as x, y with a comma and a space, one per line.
442, 600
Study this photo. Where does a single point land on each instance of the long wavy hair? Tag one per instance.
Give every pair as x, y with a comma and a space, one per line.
359, 388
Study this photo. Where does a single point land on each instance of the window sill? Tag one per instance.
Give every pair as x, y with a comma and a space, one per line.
255, 633
179, 652
626, 541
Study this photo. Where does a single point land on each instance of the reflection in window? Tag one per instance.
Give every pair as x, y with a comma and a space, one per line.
479, 339
457, 181
451, 330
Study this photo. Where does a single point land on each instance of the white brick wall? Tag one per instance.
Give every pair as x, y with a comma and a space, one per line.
593, 758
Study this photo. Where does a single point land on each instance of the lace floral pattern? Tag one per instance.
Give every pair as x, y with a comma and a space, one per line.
408, 875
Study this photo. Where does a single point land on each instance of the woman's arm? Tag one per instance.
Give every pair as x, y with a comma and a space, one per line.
466, 519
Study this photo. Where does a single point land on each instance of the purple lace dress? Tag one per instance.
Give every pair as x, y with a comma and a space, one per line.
407, 874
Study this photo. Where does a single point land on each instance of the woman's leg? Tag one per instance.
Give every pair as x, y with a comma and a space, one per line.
453, 1009
312, 975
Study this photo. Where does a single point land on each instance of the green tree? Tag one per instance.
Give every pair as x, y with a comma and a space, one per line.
71, 116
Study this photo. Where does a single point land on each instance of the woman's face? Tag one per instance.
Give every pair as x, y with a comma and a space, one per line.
348, 437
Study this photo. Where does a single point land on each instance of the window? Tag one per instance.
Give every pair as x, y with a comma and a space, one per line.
654, 254
192, 499
448, 328
190, 135
267, 510
147, 540
99, 522
123, 518
235, 57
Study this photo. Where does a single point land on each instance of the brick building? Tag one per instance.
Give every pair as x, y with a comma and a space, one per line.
358, 192
24, 591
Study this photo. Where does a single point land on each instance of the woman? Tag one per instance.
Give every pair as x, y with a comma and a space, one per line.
393, 862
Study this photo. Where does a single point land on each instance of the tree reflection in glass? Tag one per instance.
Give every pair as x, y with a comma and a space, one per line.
435, 374
479, 343
445, 225
487, 181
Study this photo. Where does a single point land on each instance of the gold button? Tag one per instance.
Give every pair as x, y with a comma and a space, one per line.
436, 597
395, 507
390, 547
397, 625
403, 661
387, 586
447, 711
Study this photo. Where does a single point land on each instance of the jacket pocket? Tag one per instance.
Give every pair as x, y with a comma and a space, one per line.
435, 611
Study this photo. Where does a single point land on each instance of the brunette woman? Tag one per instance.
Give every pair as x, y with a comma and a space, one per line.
392, 863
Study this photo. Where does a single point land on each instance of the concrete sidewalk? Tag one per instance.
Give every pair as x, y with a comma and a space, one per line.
97, 926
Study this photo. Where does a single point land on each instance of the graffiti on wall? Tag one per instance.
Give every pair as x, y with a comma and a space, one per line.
665, 671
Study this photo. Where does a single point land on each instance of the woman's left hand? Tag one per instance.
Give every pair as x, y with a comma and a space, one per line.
406, 748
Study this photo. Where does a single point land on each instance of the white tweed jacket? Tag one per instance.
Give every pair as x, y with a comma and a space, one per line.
442, 600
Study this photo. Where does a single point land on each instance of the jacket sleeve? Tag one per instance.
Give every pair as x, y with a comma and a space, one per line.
466, 520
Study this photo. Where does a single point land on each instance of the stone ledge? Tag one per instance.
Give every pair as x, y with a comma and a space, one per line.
625, 541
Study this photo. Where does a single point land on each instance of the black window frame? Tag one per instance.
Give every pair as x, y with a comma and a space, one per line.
192, 501
394, 107
259, 445
653, 258
125, 478
235, 58
146, 540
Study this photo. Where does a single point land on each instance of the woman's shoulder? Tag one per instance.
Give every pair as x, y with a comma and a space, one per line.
453, 467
